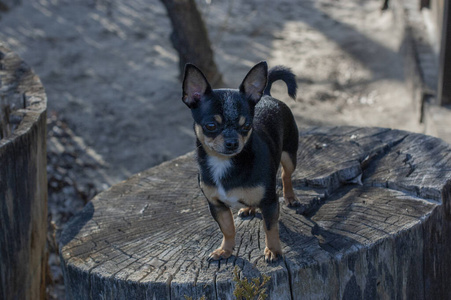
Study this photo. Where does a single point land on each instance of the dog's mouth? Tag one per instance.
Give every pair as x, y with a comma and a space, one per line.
227, 152
220, 146
223, 151
230, 153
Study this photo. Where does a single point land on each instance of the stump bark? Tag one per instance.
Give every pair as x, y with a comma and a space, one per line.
23, 180
374, 222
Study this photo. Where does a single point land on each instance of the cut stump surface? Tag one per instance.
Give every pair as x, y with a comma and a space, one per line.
374, 222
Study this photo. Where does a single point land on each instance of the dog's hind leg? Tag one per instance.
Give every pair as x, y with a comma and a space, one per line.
246, 212
288, 167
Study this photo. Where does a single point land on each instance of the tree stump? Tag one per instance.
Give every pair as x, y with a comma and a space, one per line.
374, 222
23, 180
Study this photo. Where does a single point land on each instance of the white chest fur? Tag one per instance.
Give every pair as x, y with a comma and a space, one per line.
219, 168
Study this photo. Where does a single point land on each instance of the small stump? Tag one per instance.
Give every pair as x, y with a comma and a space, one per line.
23, 180
374, 222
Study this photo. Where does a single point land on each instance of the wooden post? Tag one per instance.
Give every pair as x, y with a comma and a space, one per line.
374, 223
190, 38
424, 3
444, 78
23, 180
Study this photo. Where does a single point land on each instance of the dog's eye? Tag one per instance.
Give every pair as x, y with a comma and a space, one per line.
210, 126
247, 126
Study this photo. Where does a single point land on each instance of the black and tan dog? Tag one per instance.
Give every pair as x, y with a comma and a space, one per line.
242, 136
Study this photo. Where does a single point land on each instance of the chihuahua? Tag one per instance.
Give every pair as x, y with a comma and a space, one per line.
242, 136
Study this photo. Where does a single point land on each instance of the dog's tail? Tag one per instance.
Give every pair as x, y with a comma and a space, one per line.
286, 75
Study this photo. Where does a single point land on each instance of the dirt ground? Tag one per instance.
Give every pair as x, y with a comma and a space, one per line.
114, 96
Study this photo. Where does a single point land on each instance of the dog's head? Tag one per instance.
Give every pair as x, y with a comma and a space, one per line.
223, 117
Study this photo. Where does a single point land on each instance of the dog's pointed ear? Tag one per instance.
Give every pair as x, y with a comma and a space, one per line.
195, 86
255, 82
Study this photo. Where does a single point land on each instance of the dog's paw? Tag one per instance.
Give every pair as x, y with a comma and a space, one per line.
291, 201
272, 256
246, 212
219, 254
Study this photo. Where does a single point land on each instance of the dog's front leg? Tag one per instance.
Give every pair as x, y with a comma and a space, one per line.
270, 213
223, 215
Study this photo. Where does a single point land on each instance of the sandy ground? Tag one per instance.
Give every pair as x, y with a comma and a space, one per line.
114, 95
111, 73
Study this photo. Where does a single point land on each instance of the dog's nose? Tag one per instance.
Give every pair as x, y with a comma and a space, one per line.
231, 144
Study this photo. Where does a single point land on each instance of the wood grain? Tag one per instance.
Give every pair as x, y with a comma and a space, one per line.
23, 180
373, 223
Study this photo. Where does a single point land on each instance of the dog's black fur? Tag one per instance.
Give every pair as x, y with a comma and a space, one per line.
242, 136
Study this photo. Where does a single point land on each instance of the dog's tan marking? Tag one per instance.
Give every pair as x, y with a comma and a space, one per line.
242, 139
218, 119
241, 121
211, 146
247, 196
215, 146
247, 211
287, 171
199, 133
227, 226
210, 192
273, 248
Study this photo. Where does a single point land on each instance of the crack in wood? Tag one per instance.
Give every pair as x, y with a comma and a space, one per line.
287, 266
